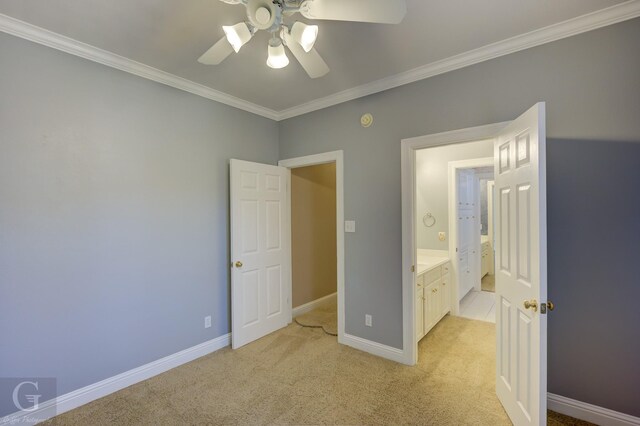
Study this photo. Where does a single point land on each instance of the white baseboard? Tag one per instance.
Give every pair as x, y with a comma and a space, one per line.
375, 348
570, 407
303, 309
589, 412
105, 387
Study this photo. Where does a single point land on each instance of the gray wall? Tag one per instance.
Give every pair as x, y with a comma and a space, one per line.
591, 83
113, 215
432, 187
594, 226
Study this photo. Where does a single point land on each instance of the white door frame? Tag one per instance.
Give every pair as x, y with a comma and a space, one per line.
408, 170
313, 160
454, 166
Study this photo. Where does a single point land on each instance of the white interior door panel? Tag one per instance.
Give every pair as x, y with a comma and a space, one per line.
260, 251
521, 268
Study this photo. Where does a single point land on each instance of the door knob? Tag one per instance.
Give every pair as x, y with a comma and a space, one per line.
238, 264
531, 304
550, 305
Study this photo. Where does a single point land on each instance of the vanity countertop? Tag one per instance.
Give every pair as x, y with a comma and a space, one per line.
427, 263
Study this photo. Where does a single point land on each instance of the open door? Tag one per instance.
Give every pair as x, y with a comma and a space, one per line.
260, 254
521, 268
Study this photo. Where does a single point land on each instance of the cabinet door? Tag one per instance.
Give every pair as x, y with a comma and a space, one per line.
445, 295
420, 314
432, 305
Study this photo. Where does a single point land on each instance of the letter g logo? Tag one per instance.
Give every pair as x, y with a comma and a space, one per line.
34, 399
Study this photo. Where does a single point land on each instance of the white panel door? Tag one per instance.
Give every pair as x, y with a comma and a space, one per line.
521, 268
260, 254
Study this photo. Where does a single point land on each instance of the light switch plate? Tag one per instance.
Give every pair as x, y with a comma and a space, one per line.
368, 320
349, 226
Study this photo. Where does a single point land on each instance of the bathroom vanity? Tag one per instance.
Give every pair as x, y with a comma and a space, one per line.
433, 290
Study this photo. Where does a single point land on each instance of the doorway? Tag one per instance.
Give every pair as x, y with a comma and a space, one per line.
313, 247
260, 204
309, 292
519, 158
470, 245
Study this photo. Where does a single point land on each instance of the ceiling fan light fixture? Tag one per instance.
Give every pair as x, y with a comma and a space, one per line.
305, 35
237, 35
277, 57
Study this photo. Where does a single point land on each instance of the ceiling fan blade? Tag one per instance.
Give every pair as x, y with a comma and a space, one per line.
217, 53
311, 61
378, 11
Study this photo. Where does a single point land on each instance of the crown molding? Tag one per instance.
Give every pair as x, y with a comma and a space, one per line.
57, 41
591, 21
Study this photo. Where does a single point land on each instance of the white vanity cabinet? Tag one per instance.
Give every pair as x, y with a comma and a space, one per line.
486, 258
445, 293
433, 297
420, 307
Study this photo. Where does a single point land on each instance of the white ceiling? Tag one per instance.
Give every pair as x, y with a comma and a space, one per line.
170, 35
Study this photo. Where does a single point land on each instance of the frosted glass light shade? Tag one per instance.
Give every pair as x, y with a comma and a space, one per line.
305, 35
237, 35
277, 57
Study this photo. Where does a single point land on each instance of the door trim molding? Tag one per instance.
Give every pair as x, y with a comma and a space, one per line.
408, 174
85, 395
453, 168
589, 412
313, 160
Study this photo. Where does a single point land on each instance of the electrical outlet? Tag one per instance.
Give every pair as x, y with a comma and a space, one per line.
442, 236
368, 320
349, 226
207, 321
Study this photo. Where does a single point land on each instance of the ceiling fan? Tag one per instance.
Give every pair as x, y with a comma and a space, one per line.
298, 37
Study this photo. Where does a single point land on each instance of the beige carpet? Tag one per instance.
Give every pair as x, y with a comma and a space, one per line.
489, 283
325, 316
302, 376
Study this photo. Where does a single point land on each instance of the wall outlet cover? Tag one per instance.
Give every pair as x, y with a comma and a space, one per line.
368, 320
349, 226
207, 322
442, 236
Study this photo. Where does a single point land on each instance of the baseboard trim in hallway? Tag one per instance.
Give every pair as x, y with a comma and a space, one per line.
308, 307
589, 412
85, 395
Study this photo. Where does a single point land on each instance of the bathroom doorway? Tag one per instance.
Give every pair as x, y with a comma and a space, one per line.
471, 244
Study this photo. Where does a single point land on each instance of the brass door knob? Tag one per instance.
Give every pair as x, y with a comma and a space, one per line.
550, 305
531, 304
238, 264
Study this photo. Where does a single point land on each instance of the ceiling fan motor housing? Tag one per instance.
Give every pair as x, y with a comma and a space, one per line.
264, 14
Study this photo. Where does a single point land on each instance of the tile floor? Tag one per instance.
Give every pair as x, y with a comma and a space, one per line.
479, 305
